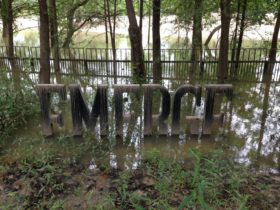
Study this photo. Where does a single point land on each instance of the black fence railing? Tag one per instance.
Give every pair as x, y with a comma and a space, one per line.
176, 63
246, 54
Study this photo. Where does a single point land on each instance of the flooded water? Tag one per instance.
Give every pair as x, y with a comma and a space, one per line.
250, 129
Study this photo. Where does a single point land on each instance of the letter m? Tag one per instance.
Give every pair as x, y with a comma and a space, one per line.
81, 112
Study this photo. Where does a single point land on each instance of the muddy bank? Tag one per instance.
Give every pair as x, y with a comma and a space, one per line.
157, 184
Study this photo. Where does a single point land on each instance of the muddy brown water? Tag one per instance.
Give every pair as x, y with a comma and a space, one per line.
250, 131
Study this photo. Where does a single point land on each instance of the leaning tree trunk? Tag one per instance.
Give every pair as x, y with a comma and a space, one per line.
222, 72
7, 20
137, 54
206, 43
268, 71
71, 29
54, 38
197, 35
44, 75
156, 42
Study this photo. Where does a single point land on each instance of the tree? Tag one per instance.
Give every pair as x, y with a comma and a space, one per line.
237, 43
44, 75
54, 38
106, 26
149, 28
156, 42
183, 9
241, 32
74, 15
71, 28
197, 34
222, 72
112, 29
235, 33
273, 49
137, 54
141, 14
206, 43
7, 16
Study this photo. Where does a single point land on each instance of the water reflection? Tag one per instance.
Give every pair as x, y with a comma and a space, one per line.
250, 131
254, 124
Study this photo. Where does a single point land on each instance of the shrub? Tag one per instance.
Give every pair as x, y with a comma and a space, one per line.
16, 106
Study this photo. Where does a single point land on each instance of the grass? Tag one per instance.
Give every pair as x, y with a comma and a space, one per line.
53, 181
205, 183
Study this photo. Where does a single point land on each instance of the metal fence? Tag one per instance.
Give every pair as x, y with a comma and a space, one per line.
176, 63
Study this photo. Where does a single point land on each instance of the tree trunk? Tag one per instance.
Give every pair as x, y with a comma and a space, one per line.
106, 36
149, 29
106, 24
112, 29
44, 75
222, 72
141, 14
241, 33
156, 42
70, 19
70, 29
7, 20
268, 71
206, 43
197, 35
137, 53
234, 38
114, 40
54, 38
